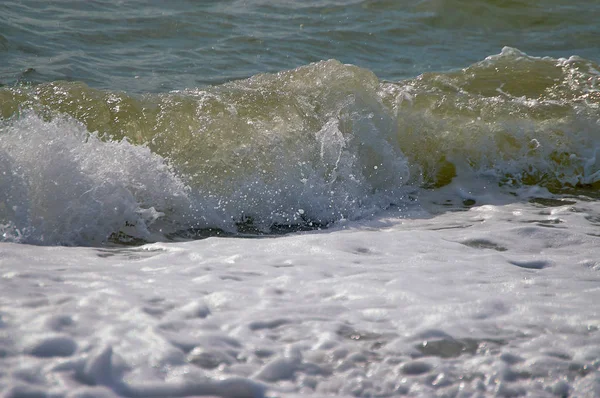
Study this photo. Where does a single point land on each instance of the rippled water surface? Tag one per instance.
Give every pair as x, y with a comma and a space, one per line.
156, 46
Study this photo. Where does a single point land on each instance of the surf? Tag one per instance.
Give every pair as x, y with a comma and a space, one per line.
292, 150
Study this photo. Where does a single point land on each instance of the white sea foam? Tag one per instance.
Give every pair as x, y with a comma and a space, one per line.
498, 300
61, 184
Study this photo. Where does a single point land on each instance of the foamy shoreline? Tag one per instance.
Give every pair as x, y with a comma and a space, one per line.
490, 301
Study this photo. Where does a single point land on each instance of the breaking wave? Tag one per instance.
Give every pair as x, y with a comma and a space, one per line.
298, 149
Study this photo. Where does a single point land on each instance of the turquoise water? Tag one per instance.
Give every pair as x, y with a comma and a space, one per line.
148, 120
156, 46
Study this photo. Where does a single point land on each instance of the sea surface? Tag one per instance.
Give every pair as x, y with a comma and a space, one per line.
299, 198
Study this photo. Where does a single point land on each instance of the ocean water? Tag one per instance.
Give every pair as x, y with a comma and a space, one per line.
281, 199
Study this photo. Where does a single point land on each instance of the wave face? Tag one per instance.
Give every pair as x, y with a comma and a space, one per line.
304, 147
